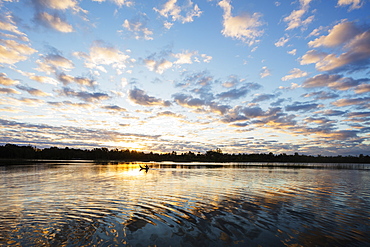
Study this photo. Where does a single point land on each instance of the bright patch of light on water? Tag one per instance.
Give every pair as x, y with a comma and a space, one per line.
208, 204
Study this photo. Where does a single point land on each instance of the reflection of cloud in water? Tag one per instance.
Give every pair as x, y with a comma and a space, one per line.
117, 204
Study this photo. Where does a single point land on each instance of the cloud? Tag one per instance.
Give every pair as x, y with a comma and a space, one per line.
43, 79
167, 24
292, 52
102, 54
320, 120
30, 101
295, 19
245, 113
336, 135
355, 4
58, 7
55, 22
68, 103
264, 97
83, 95
205, 96
282, 41
299, 106
317, 31
358, 114
140, 97
188, 101
206, 58
312, 56
183, 14
338, 35
199, 83
237, 93
218, 109
38, 78
65, 79
276, 119
12, 52
356, 44
160, 62
83, 81
169, 114
44, 135
202, 78
332, 113
119, 3
244, 27
8, 91
294, 73
7, 23
322, 95
137, 27
57, 4
265, 72
33, 91
6, 81
114, 108
350, 102
51, 13
158, 66
291, 87
185, 57
200, 105
363, 88
333, 81
278, 102
232, 81
346, 83
51, 63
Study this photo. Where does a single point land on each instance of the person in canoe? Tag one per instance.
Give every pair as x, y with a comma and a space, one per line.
146, 167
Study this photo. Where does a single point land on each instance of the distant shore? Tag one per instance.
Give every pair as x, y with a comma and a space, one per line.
13, 152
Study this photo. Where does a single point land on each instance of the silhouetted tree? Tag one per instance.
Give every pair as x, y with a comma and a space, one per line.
11, 151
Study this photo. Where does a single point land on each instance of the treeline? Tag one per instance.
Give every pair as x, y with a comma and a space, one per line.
11, 151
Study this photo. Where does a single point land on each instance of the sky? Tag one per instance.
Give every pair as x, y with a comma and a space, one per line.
254, 76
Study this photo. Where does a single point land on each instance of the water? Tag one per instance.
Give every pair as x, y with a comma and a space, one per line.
116, 204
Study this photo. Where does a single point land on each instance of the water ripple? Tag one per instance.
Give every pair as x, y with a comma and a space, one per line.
116, 205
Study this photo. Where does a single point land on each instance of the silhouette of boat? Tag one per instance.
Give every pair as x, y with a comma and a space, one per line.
146, 168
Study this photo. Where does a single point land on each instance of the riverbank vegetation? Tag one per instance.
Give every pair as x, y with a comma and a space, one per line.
11, 151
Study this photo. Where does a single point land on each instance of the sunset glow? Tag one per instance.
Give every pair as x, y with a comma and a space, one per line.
181, 75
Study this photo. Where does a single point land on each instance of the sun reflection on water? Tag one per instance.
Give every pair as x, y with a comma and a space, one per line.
116, 204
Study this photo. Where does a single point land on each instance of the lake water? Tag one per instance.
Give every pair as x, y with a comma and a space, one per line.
116, 204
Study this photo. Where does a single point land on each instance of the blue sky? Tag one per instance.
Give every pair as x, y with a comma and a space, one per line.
244, 76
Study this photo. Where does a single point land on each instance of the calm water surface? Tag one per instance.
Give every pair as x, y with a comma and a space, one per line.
116, 204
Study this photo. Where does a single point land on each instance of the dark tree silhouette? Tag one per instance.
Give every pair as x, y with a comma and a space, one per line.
11, 151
